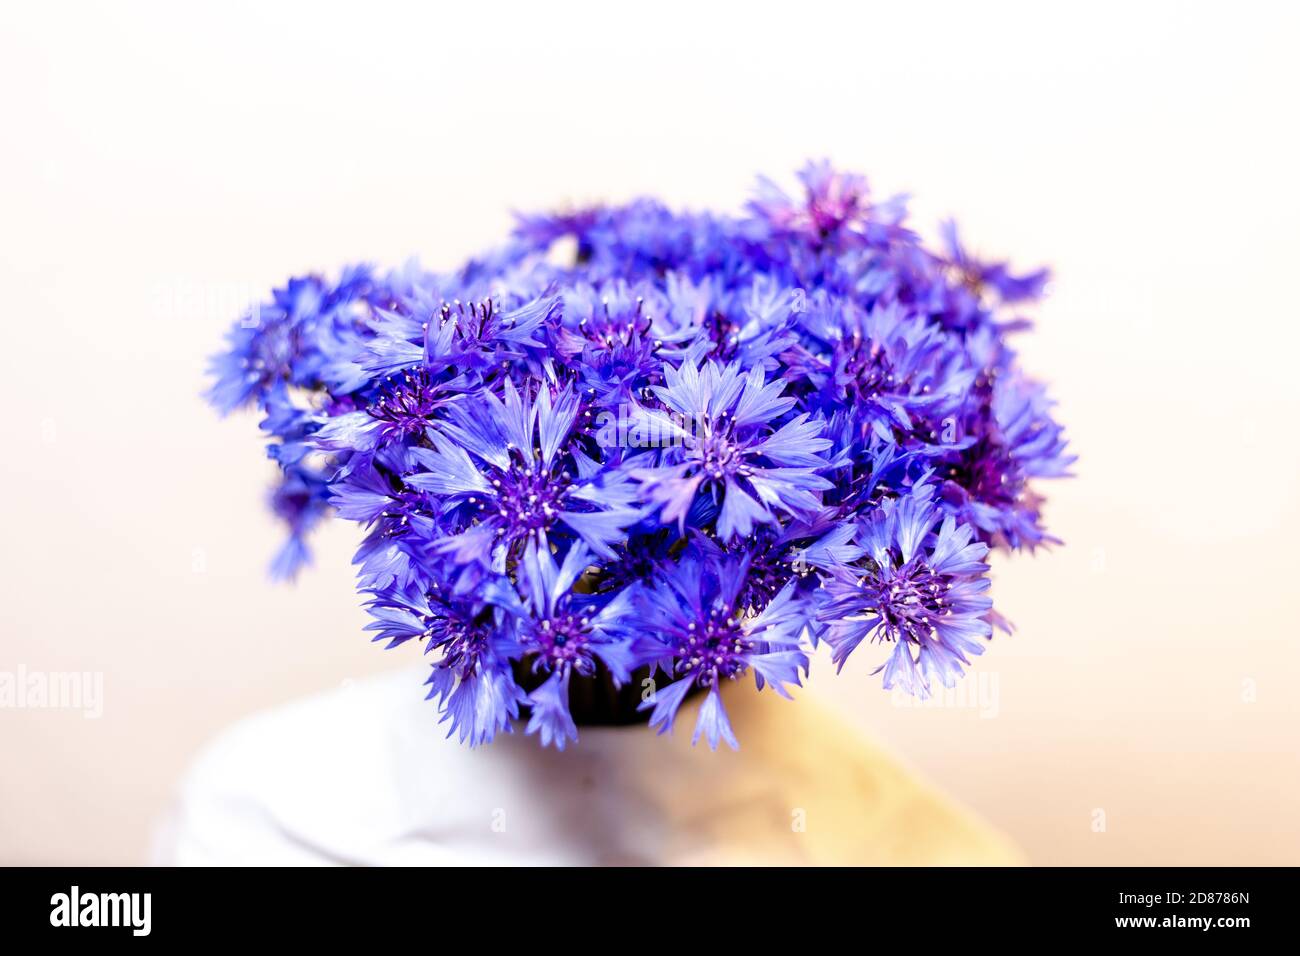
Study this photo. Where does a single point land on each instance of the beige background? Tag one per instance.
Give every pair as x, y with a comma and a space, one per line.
160, 166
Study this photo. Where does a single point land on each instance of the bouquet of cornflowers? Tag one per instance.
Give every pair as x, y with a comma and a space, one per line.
662, 450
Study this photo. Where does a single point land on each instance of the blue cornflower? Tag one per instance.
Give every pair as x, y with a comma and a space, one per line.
513, 464
609, 336
266, 345
563, 633
996, 277
694, 627
473, 335
920, 585
472, 680
835, 211
719, 424
897, 375
1009, 441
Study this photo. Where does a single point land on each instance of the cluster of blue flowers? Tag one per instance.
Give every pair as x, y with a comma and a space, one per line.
678, 446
